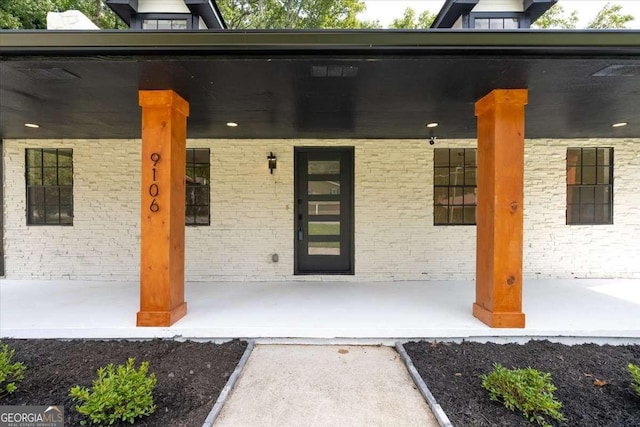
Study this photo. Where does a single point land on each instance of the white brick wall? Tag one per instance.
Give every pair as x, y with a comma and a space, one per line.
553, 249
103, 242
252, 215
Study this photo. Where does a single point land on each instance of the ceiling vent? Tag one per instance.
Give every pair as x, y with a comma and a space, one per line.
334, 71
48, 73
619, 70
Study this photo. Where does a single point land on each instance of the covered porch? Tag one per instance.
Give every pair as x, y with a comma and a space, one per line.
578, 310
357, 88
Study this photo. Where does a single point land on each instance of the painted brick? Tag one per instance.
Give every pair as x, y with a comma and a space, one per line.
252, 215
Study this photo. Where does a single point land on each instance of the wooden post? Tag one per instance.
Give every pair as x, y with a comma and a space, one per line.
164, 131
499, 211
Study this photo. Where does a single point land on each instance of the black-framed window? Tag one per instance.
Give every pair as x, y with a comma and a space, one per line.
164, 21
164, 24
590, 185
454, 186
496, 20
198, 187
49, 178
496, 23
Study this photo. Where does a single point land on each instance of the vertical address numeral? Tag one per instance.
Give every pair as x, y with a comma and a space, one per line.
154, 190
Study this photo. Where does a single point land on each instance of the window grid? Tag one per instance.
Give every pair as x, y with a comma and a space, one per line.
454, 186
49, 182
164, 24
197, 201
589, 186
496, 23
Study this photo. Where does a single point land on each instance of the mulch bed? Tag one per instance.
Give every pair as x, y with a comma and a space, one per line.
190, 375
452, 373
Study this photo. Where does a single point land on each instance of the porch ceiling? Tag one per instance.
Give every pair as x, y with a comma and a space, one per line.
318, 85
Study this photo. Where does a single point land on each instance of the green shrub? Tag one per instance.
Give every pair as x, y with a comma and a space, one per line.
10, 372
525, 390
119, 394
634, 370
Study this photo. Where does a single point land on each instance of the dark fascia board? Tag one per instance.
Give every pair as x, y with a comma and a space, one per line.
536, 8
124, 8
451, 11
208, 11
261, 42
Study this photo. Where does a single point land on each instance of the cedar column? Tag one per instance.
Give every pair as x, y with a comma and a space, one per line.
499, 211
164, 131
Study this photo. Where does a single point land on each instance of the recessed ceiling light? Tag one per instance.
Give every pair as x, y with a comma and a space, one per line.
31, 125
232, 124
619, 125
432, 125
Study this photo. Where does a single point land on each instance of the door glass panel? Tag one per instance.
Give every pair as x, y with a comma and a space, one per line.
324, 167
324, 208
324, 248
324, 187
325, 228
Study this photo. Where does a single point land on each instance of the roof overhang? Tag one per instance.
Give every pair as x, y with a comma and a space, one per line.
318, 84
124, 8
536, 8
454, 9
206, 9
451, 10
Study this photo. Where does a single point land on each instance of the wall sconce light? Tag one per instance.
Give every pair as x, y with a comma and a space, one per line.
272, 162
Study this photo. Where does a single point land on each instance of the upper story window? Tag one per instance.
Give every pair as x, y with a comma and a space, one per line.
497, 23
164, 21
496, 20
454, 186
168, 15
590, 185
49, 179
198, 187
164, 24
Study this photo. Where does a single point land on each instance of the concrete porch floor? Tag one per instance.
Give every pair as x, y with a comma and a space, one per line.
302, 311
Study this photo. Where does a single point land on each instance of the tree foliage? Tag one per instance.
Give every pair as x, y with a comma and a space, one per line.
32, 14
409, 20
281, 14
556, 17
299, 14
610, 16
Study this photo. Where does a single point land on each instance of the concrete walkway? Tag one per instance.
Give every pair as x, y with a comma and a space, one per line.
294, 385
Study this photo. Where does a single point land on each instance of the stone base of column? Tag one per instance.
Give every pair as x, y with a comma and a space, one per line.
161, 318
497, 319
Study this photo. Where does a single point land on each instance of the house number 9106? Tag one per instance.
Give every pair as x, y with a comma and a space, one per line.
153, 188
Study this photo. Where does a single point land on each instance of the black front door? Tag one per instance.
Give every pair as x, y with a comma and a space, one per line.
324, 210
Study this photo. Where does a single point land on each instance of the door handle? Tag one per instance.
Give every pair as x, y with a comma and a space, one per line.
300, 234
